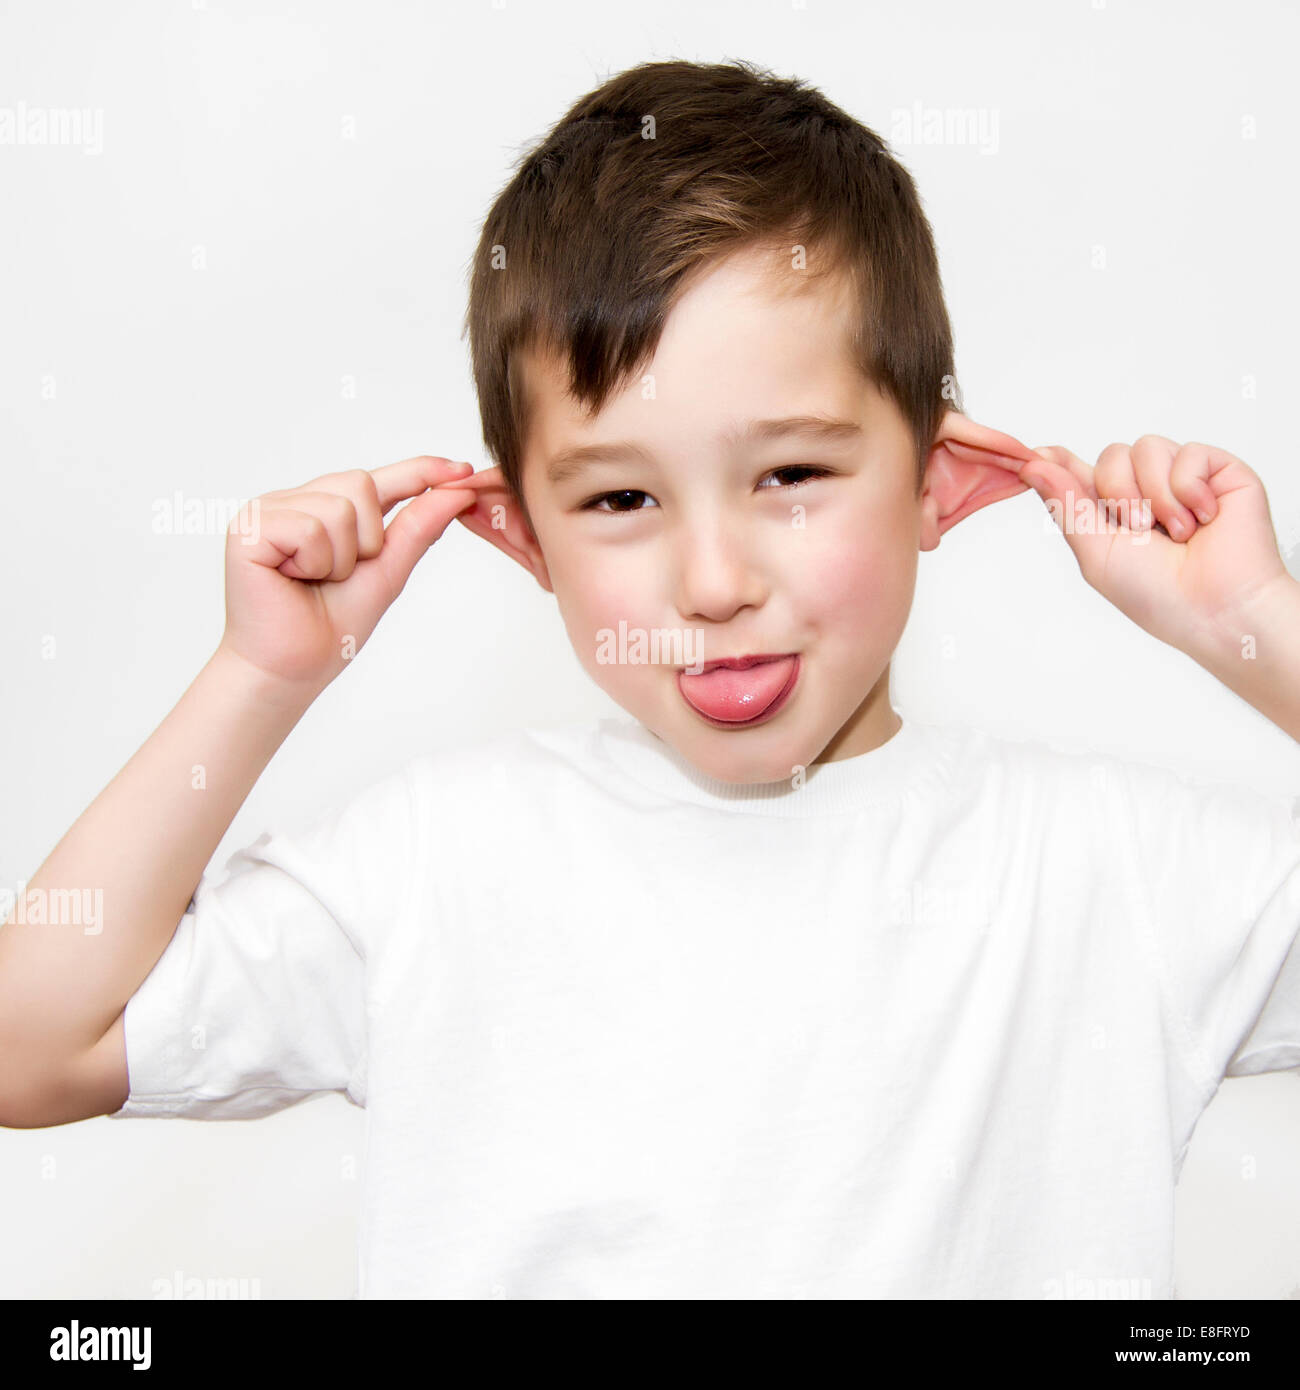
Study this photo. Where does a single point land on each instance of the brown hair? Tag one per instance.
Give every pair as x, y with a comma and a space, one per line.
664, 169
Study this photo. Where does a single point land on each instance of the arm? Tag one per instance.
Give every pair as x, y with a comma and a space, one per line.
309, 572
143, 844
1256, 653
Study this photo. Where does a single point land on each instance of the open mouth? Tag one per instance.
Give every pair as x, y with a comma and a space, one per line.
742, 691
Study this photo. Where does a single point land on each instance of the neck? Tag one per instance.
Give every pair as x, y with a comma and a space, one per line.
871, 724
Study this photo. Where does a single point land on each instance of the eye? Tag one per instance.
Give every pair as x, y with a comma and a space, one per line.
624, 499
594, 504
809, 469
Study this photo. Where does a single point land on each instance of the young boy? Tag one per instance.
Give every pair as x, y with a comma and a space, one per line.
762, 992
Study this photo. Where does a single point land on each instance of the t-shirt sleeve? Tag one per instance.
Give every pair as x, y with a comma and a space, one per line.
258, 1000
1218, 868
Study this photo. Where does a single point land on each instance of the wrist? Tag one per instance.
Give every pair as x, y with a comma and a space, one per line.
1266, 616
247, 683
1255, 651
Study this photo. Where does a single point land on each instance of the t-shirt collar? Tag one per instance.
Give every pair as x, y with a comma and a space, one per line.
913, 758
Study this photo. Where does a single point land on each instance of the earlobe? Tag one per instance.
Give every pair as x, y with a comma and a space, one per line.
970, 466
499, 519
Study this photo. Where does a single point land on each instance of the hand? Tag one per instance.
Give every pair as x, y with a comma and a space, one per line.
311, 570
1178, 537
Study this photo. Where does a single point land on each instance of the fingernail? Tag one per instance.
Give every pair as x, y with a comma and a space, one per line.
1176, 528
1203, 516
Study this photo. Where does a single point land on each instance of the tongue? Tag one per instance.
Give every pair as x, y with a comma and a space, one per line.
724, 693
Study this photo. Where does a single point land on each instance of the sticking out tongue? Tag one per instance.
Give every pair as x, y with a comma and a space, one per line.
725, 693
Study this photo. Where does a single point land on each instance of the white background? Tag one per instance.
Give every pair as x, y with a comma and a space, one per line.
1119, 261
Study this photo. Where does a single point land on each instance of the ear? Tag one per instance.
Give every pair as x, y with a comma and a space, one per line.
969, 467
498, 518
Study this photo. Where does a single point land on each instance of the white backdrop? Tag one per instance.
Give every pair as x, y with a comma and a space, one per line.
247, 266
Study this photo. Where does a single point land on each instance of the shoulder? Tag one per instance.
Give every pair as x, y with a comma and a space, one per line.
1048, 758
1065, 779
993, 762
1138, 800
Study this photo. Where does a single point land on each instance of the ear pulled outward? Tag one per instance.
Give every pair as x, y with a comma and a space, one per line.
969, 467
499, 519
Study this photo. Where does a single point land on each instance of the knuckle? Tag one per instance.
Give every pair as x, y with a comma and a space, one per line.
338, 508
327, 485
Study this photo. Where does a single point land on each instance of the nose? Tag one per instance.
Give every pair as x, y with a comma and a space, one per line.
717, 568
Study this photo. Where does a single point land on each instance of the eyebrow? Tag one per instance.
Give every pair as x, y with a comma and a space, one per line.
821, 428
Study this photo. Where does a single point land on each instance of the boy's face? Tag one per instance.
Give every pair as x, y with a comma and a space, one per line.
702, 537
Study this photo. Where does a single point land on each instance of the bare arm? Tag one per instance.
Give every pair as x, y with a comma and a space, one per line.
139, 851
301, 597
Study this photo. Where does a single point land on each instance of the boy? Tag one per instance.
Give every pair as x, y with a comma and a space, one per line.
763, 992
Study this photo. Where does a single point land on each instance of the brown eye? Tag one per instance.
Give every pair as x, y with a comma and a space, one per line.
808, 470
621, 497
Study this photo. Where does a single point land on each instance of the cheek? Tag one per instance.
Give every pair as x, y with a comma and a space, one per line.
599, 594
598, 597
863, 575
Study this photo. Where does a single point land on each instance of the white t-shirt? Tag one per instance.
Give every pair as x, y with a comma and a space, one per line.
937, 1023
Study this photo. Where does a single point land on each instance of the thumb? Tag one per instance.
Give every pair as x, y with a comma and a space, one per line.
415, 528
1073, 506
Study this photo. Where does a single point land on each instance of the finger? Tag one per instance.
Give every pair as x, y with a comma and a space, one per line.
1153, 459
1189, 479
340, 519
358, 486
1073, 464
483, 480
397, 481
415, 528
1119, 490
1068, 486
293, 542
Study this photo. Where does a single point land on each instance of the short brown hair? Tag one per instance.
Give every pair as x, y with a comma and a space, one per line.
668, 167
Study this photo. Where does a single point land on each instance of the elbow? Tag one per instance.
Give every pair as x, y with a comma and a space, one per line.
41, 1101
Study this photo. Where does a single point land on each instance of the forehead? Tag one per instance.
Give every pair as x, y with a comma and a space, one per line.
749, 336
